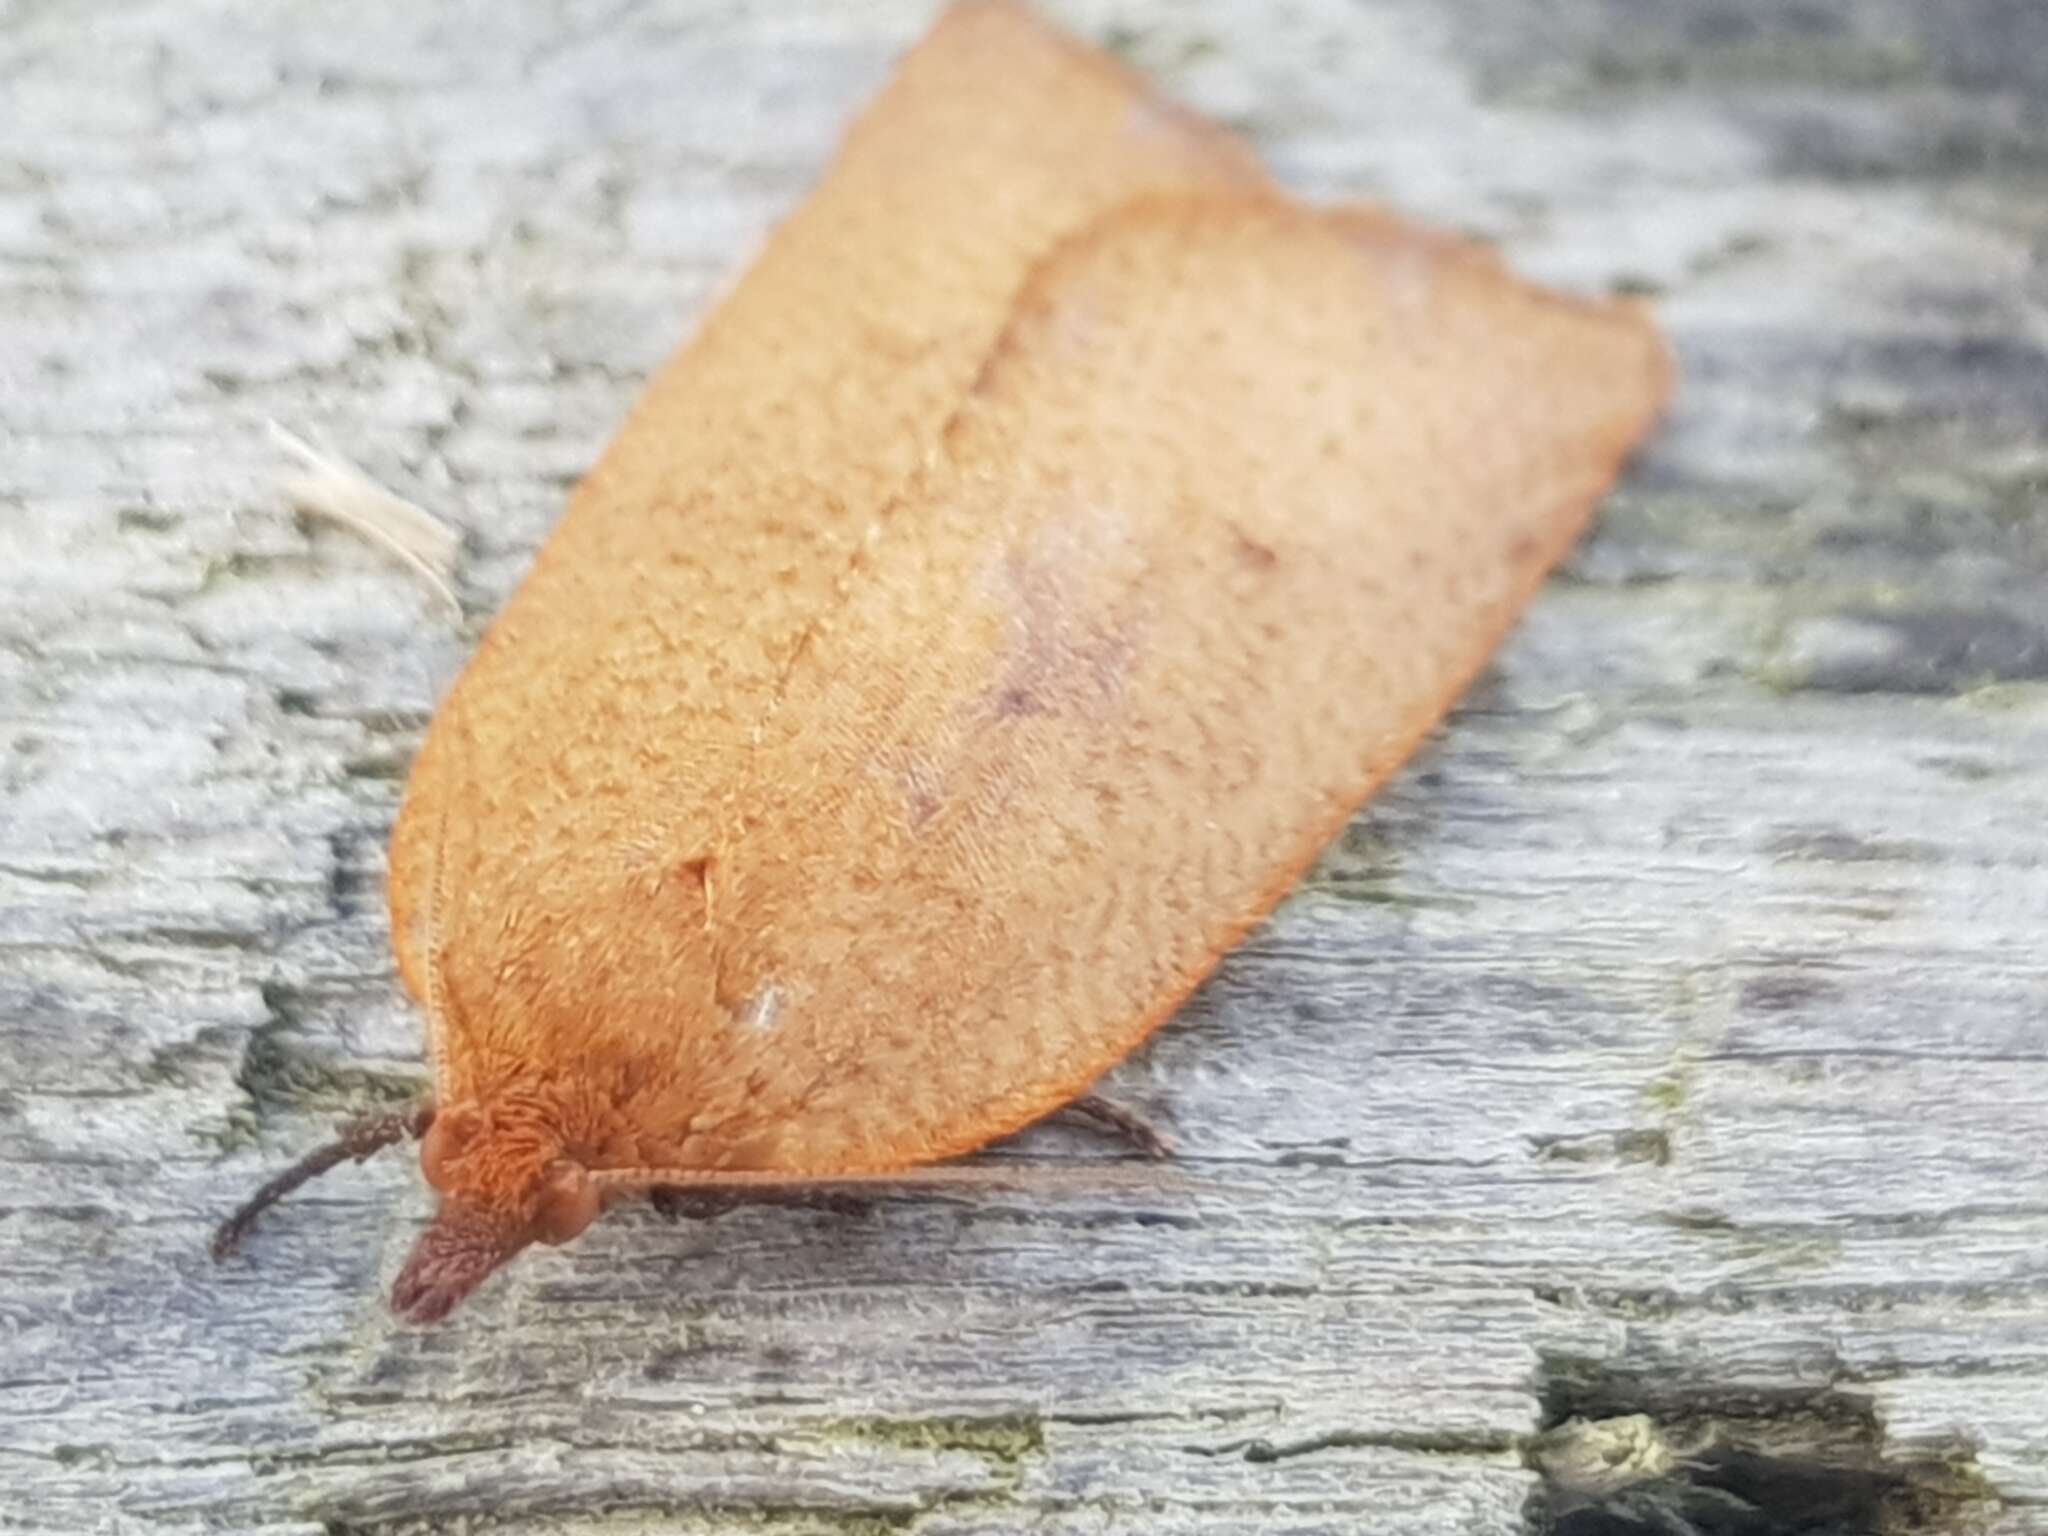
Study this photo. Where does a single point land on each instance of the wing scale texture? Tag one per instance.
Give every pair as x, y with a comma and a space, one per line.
980, 624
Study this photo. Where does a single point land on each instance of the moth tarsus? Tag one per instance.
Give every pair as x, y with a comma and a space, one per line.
680, 1204
1125, 1124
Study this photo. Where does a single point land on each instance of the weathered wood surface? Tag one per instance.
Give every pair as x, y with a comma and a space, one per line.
1671, 1039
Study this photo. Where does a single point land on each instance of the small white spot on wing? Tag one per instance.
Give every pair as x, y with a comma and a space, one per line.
761, 1011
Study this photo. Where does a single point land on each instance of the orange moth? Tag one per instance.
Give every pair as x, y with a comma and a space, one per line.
973, 631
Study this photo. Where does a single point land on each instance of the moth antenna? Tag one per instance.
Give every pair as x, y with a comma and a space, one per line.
338, 491
357, 1141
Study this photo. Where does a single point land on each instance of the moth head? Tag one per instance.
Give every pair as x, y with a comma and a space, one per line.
500, 1190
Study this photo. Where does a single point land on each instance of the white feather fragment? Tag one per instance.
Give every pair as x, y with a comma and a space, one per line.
763, 1008
338, 491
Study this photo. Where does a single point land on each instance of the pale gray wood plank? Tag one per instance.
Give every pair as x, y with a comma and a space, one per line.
1668, 1040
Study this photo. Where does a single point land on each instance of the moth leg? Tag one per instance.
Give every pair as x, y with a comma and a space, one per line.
1108, 1115
679, 1203
357, 1141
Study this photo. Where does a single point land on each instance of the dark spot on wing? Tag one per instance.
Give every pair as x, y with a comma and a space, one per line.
1058, 659
1015, 701
1251, 553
